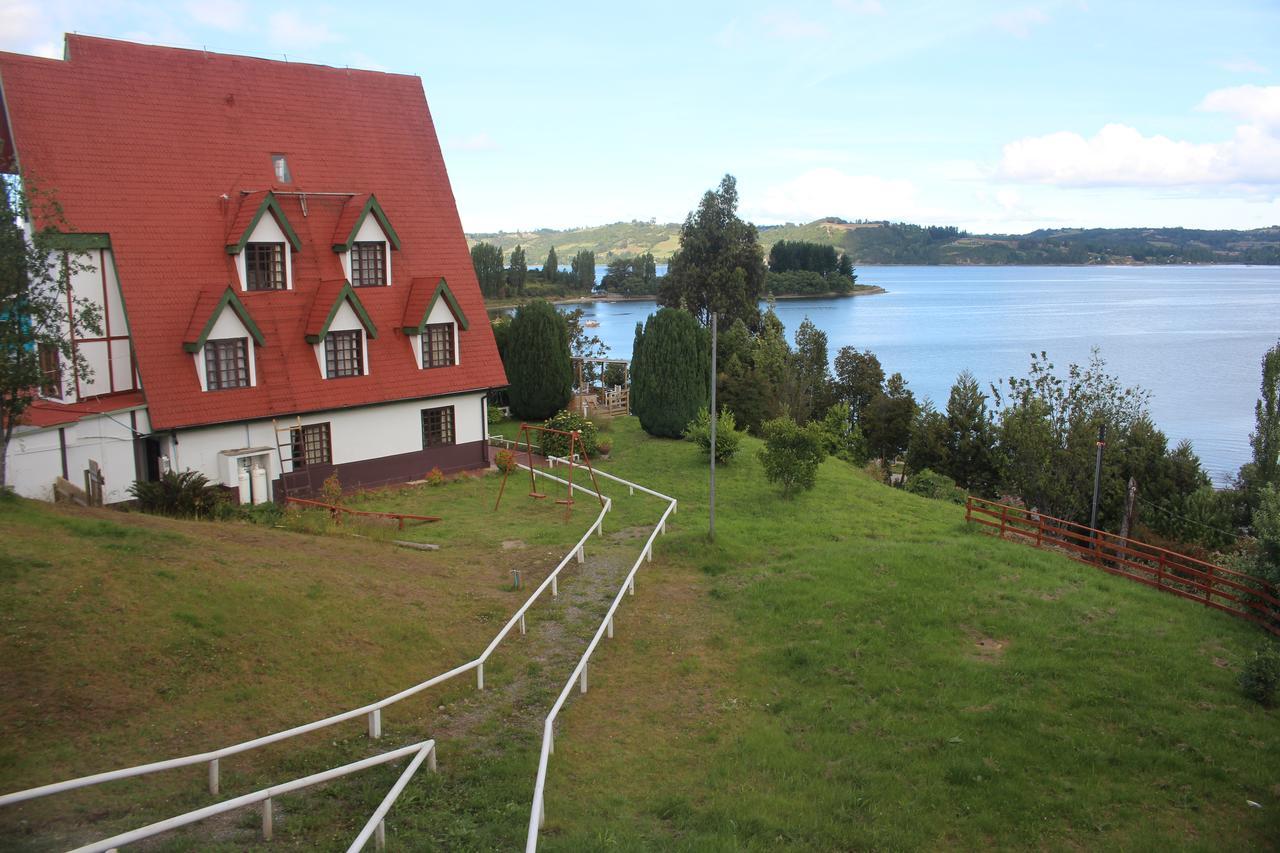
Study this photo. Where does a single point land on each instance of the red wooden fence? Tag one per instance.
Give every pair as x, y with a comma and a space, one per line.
1224, 589
336, 511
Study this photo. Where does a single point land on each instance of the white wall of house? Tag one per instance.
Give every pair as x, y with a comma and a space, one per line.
106, 351
35, 457
356, 435
227, 325
268, 231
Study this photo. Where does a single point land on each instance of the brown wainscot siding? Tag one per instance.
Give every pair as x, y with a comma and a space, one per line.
384, 471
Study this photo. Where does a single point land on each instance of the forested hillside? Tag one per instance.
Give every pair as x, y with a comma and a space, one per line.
903, 243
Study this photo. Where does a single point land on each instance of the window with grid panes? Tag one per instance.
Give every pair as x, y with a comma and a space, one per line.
226, 363
437, 427
50, 371
368, 264
437, 345
311, 445
264, 266
343, 354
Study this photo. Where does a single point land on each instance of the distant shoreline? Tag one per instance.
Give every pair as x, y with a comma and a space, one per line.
507, 304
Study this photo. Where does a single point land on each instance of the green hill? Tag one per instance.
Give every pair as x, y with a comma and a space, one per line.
853, 669
902, 243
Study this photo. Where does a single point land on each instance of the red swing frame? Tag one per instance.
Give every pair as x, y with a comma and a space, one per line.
575, 440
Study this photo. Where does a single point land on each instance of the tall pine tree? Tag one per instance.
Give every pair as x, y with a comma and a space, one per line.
551, 269
517, 272
538, 365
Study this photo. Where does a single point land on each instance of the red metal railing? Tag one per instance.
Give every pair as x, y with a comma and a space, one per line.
336, 511
1224, 589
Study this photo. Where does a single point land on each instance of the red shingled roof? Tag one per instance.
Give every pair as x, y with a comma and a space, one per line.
47, 413
157, 146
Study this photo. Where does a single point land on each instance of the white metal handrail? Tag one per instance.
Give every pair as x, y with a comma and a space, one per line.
423, 750
376, 825
538, 813
373, 709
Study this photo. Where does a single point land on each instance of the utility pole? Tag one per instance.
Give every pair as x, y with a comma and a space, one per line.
1097, 475
711, 532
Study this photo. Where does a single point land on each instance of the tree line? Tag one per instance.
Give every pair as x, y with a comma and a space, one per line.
515, 278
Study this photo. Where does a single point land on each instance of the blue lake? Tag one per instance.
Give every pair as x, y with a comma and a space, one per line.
1192, 336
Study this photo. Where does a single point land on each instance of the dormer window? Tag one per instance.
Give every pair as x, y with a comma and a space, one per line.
344, 353
264, 266
226, 363
368, 264
437, 345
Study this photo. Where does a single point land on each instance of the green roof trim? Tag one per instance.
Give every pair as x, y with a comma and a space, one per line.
228, 298
370, 206
442, 291
77, 242
271, 203
347, 293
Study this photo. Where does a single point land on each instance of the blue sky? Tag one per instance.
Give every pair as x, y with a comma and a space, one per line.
992, 116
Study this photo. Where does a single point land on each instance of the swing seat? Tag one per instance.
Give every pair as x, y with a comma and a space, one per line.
536, 495
564, 502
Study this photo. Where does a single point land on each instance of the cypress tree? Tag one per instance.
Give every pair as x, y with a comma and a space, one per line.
670, 365
517, 272
551, 269
538, 366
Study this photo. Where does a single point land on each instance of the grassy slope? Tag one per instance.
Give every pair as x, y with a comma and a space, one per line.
823, 677
842, 689
618, 239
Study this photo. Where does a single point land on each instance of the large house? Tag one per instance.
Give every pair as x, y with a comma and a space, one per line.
284, 283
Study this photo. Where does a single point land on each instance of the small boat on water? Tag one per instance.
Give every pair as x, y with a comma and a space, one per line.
591, 324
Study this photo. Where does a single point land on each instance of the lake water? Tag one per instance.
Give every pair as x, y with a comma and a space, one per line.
1192, 336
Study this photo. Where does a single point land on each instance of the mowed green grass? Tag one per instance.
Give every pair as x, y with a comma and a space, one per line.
852, 669
857, 668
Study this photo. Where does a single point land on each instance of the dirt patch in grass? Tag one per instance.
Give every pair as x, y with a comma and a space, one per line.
983, 648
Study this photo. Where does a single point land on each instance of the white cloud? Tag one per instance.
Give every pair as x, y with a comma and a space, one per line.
288, 29
788, 25
1243, 65
1020, 22
227, 15
830, 192
48, 49
861, 7
1120, 155
478, 142
1255, 104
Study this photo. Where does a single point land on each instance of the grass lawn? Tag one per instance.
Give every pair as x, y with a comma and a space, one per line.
851, 669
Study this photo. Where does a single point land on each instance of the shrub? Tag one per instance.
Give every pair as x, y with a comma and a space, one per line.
791, 454
494, 415
670, 372
435, 477
331, 489
1261, 674
930, 484
605, 448
728, 438
840, 437
552, 444
179, 493
537, 361
506, 461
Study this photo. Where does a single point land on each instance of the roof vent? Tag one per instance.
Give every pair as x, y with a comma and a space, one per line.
281, 167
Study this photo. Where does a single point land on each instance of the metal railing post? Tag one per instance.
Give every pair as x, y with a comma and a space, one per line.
213, 777
582, 680
480, 677
380, 836
375, 723
267, 828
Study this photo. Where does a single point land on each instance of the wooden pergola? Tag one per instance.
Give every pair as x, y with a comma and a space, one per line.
616, 400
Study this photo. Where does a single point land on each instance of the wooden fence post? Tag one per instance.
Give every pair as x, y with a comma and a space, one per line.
1160, 572
1004, 517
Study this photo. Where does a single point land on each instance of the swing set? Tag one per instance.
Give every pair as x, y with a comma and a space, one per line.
575, 441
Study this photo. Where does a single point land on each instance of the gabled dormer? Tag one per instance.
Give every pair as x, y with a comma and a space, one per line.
222, 338
263, 243
339, 328
364, 240
432, 320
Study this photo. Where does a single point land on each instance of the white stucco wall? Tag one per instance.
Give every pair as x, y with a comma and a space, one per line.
355, 435
268, 231
35, 460
227, 325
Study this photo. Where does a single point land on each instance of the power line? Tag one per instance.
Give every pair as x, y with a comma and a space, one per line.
1173, 514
